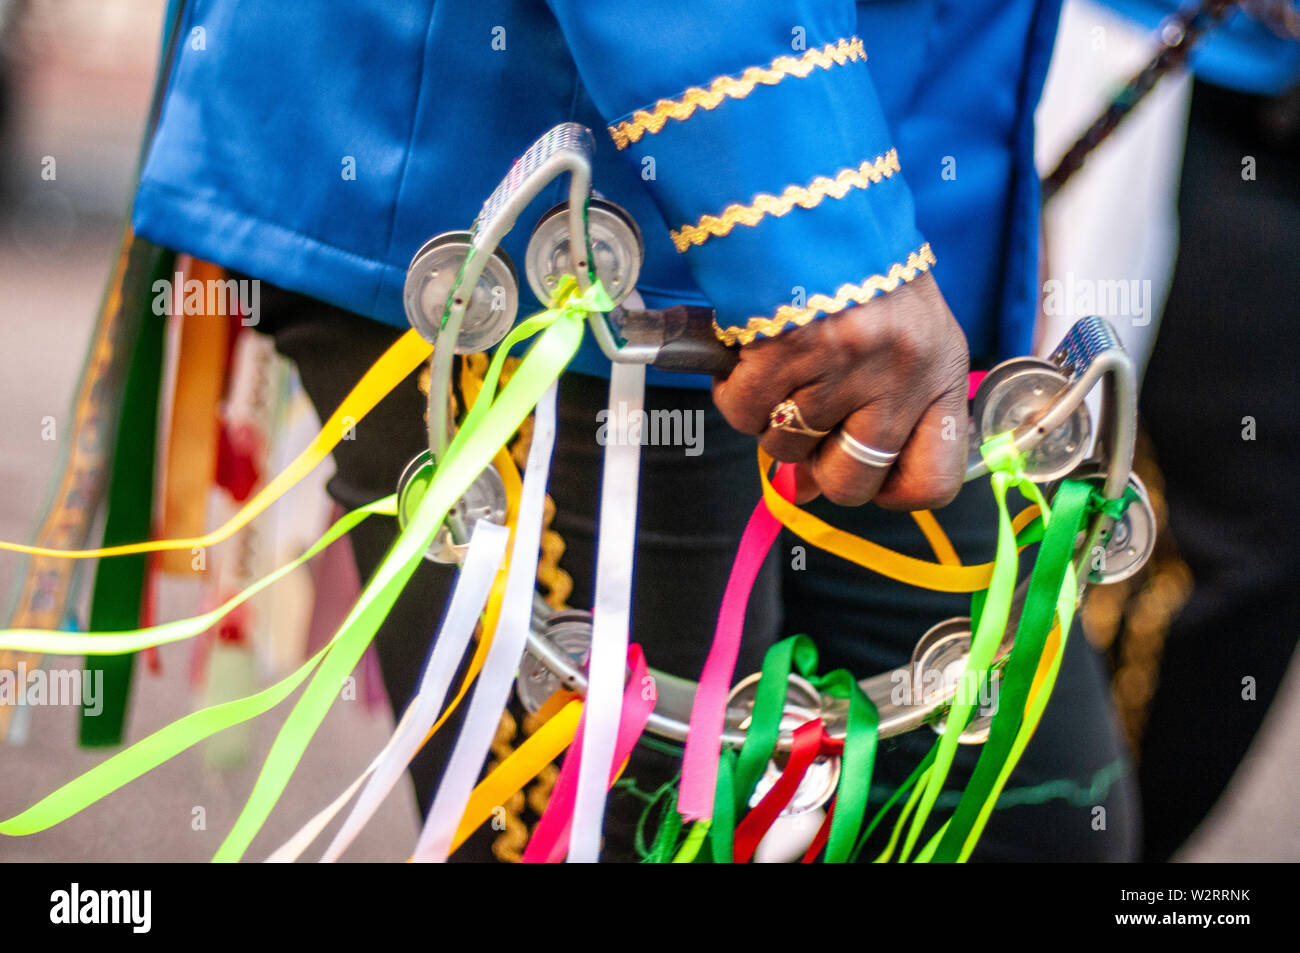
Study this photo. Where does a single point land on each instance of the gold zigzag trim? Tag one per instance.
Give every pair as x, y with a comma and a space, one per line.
729, 87
809, 196
917, 262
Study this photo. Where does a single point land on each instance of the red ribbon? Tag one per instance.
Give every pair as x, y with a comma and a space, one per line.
807, 746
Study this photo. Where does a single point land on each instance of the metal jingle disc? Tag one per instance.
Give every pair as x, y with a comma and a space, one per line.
570, 632
485, 499
1129, 542
433, 273
803, 703
616, 246
1019, 390
938, 662
981, 721
998, 374
815, 789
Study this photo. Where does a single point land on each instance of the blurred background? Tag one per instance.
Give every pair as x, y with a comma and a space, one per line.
76, 78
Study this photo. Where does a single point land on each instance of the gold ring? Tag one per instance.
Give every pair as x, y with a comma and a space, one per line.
786, 416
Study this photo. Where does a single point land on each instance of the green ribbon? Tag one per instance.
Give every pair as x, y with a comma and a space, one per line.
738, 774
1051, 587
765, 719
118, 596
893, 799
1004, 464
722, 828
1115, 508
857, 763
486, 429
922, 776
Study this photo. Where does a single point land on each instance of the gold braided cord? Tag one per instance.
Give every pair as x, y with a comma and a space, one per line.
557, 583
508, 845
809, 196
1129, 621
729, 87
917, 262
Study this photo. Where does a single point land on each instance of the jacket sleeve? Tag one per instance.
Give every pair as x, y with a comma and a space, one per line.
757, 129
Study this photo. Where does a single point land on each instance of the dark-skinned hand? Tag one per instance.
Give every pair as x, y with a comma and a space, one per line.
891, 372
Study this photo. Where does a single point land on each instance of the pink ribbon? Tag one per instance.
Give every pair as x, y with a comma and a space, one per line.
550, 839
704, 738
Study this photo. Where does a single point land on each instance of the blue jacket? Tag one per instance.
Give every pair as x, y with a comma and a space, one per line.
784, 159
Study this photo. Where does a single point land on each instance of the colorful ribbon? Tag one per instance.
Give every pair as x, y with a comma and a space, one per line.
551, 838
406, 354
487, 548
1004, 464
146, 754
906, 569
494, 682
708, 712
472, 450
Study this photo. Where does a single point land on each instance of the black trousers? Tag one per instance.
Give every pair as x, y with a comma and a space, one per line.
1228, 350
1072, 797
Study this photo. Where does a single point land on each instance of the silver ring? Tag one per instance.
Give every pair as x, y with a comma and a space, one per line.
863, 454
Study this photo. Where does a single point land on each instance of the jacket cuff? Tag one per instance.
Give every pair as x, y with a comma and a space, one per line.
783, 210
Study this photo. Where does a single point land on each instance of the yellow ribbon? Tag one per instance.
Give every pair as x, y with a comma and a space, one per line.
522, 765
406, 354
940, 576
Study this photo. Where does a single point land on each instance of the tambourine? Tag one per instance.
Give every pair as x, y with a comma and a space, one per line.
462, 292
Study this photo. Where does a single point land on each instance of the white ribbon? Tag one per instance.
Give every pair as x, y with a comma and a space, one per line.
611, 614
487, 548
492, 691
292, 849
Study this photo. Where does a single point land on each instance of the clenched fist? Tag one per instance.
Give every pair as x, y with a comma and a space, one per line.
887, 372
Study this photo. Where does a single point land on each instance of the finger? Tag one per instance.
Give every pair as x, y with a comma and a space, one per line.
805, 485
769, 370
883, 425
826, 402
819, 407
930, 469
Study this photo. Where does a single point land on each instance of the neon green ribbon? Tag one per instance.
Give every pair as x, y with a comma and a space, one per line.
917, 773
146, 754
486, 429
1005, 466
690, 848
1052, 591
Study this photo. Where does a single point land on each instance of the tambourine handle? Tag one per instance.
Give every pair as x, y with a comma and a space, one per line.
691, 347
